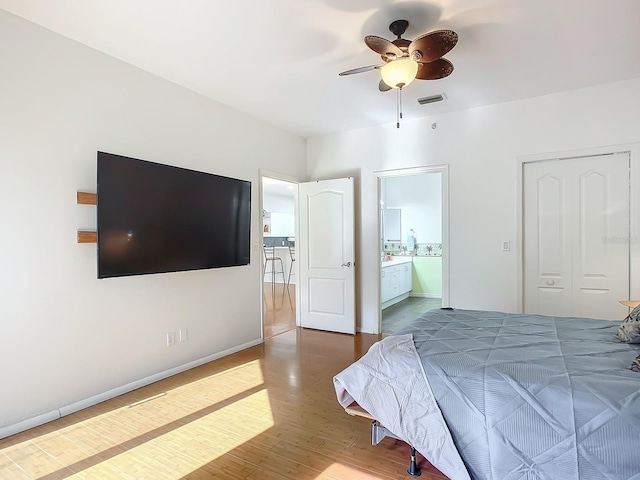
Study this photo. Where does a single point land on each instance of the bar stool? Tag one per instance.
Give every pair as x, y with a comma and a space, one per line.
292, 253
270, 256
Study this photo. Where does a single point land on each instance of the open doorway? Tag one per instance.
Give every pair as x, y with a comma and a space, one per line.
279, 200
414, 264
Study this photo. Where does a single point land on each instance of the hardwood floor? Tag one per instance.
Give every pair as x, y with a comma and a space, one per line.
268, 412
279, 308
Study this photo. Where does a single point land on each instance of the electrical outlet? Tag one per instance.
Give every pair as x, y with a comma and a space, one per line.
171, 339
183, 335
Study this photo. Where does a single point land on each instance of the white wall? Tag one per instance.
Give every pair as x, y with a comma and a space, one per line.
65, 335
482, 147
420, 199
281, 214
278, 203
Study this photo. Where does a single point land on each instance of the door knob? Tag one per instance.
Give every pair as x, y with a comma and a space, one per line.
348, 264
550, 282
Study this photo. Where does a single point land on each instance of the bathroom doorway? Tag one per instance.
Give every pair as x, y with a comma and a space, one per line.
413, 242
279, 215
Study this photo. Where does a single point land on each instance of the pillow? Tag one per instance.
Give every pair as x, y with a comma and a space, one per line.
635, 365
629, 329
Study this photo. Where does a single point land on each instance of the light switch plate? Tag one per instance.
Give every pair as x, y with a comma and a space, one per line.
506, 246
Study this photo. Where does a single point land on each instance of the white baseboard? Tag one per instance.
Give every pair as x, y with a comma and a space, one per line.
101, 397
365, 330
29, 423
426, 295
395, 300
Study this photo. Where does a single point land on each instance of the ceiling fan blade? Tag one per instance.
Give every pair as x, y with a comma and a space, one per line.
432, 46
382, 46
383, 87
360, 70
439, 68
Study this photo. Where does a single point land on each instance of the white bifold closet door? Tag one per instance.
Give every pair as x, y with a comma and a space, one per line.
576, 236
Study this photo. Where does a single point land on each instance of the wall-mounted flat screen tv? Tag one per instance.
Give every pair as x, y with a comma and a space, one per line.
155, 218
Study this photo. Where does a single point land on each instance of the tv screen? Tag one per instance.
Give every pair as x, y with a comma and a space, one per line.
155, 218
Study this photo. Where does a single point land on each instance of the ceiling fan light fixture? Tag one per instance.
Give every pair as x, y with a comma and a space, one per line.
399, 73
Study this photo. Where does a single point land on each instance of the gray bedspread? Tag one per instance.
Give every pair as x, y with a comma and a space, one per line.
534, 397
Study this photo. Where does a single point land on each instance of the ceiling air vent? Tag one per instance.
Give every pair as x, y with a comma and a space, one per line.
431, 99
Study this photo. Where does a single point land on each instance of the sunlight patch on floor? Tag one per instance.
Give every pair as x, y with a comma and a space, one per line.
176, 453
166, 435
338, 470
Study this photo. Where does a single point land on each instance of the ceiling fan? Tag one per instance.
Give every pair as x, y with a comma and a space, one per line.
407, 60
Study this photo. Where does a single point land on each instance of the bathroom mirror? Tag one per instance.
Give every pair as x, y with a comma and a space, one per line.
391, 223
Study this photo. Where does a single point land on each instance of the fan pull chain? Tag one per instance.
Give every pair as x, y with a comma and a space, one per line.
398, 109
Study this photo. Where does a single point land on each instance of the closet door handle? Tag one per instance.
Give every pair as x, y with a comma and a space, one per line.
550, 282
348, 264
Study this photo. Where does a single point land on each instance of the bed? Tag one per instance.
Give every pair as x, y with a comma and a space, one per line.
491, 395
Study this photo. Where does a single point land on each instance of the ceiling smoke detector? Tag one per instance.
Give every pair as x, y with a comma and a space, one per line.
432, 99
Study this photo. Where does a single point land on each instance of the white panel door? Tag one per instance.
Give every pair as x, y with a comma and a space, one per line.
576, 236
547, 239
326, 255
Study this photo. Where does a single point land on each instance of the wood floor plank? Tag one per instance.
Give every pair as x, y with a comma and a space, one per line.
262, 474
61, 448
274, 463
36, 463
11, 470
227, 467
321, 462
340, 471
268, 412
105, 471
279, 308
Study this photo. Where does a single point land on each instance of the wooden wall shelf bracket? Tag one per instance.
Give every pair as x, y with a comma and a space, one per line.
87, 198
87, 236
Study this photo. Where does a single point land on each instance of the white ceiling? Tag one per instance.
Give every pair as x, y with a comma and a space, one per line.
278, 60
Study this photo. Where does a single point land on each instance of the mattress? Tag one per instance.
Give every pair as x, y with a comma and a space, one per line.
532, 396
498, 396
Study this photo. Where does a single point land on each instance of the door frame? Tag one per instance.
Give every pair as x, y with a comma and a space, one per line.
402, 172
262, 173
633, 149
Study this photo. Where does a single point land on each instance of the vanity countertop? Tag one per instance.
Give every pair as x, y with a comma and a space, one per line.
396, 260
